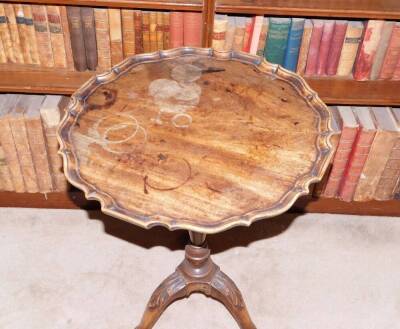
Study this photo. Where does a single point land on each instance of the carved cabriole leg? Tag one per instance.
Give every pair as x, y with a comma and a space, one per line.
197, 274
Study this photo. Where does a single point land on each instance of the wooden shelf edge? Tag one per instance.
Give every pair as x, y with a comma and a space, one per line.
76, 200
331, 90
136, 4
307, 12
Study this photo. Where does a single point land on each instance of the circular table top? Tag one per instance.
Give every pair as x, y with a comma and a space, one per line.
195, 139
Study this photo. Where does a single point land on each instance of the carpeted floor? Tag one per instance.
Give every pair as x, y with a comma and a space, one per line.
77, 270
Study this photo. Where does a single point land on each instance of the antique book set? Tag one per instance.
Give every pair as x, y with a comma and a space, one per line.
198, 140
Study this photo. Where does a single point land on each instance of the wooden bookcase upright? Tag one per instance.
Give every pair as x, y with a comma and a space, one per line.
331, 90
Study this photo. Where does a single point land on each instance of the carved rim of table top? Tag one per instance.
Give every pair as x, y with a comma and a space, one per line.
111, 207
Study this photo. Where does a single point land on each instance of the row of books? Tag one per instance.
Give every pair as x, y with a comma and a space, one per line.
366, 165
367, 50
28, 144
81, 38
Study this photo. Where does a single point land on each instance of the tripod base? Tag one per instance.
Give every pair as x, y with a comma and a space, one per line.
197, 274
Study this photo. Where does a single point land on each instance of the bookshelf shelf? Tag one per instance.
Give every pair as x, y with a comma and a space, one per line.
75, 199
192, 5
374, 9
331, 90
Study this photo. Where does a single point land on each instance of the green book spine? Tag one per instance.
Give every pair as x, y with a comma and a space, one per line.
277, 40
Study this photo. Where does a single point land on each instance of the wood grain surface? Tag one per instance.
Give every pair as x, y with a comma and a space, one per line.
194, 140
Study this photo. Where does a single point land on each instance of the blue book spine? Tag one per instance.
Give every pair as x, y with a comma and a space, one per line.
293, 45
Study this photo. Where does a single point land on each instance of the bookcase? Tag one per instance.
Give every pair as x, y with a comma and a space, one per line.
331, 90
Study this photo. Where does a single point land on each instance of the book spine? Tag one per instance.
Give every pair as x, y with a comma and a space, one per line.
56, 165
305, 45
160, 31
357, 160
293, 45
31, 34
67, 38
5, 36
263, 39
23, 35
138, 31
219, 34
77, 42
325, 44
146, 31
340, 161
13, 28
351, 44
192, 23
230, 34
176, 29
396, 72
3, 56
277, 40
6, 183
166, 30
19, 133
103, 38
313, 52
128, 32
56, 36
387, 183
392, 54
255, 38
89, 37
114, 17
10, 151
42, 35
39, 154
238, 38
153, 30
248, 33
336, 47
381, 51
366, 54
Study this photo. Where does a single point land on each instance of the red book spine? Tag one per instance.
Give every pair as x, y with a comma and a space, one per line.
312, 59
324, 46
176, 29
336, 47
356, 162
340, 161
192, 29
396, 72
248, 34
366, 54
392, 54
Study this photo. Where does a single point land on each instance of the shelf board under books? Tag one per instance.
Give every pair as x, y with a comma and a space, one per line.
331, 90
75, 199
192, 5
387, 9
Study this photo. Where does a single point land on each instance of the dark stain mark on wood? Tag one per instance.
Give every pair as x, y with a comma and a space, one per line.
110, 96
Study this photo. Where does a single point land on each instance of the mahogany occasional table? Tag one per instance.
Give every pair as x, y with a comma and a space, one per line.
197, 140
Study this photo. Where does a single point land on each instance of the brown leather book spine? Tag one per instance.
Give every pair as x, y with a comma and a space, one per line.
176, 29
146, 31
22, 31
13, 28
43, 35
77, 41
392, 54
3, 56
387, 183
5, 36
138, 31
89, 37
39, 153
20, 135
192, 24
31, 35
67, 37
114, 16
166, 34
160, 31
56, 36
128, 32
153, 30
103, 38
6, 183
